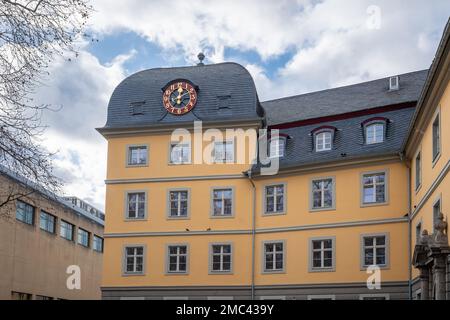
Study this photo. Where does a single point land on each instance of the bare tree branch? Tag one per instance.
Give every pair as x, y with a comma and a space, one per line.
32, 34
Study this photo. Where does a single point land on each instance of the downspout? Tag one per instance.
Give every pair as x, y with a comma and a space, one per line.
402, 158
248, 174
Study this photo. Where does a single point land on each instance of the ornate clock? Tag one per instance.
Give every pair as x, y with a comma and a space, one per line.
179, 98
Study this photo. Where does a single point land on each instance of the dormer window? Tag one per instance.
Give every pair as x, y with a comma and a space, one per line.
323, 138
375, 130
277, 147
323, 141
394, 83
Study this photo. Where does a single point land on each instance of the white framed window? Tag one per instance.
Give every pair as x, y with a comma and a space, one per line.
273, 257
136, 205
134, 260
274, 199
436, 211
178, 203
66, 230
374, 188
221, 258
375, 250
47, 222
24, 212
322, 194
324, 141
98, 244
375, 133
322, 254
222, 202
223, 152
83, 237
436, 137
277, 147
180, 153
137, 155
177, 258
418, 164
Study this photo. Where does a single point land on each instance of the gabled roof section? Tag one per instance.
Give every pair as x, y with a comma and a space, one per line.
226, 91
358, 97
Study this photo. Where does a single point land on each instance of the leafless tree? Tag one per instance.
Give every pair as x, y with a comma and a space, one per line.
32, 34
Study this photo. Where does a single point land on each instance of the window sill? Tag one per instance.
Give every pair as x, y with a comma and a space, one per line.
221, 273
222, 217
179, 218
177, 273
137, 165
313, 210
436, 160
274, 214
180, 164
322, 270
135, 220
133, 274
268, 272
375, 204
382, 267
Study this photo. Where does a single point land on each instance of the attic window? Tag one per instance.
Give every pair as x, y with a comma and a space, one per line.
137, 108
277, 147
323, 138
375, 130
394, 83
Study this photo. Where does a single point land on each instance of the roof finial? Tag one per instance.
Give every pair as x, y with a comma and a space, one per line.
201, 57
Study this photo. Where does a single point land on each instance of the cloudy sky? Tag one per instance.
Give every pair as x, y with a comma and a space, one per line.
290, 47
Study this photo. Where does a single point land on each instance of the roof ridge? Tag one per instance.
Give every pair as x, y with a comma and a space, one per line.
340, 87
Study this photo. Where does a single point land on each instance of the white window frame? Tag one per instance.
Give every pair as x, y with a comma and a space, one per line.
273, 253
135, 256
321, 141
136, 193
143, 149
275, 201
374, 246
277, 147
436, 146
418, 161
178, 256
224, 144
374, 184
178, 201
222, 254
222, 199
373, 126
322, 250
322, 194
185, 155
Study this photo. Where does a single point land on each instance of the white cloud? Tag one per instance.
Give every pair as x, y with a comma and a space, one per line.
330, 40
82, 87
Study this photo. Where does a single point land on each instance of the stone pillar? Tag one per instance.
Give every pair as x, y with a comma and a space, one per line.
425, 283
439, 270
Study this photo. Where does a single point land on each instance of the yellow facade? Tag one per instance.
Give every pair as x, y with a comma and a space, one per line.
368, 144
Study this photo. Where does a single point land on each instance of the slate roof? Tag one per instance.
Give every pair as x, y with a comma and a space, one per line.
228, 85
348, 140
351, 98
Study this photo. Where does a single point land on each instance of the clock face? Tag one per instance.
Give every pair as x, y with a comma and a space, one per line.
179, 98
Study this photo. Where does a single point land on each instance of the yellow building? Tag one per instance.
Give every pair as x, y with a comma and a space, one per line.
192, 213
